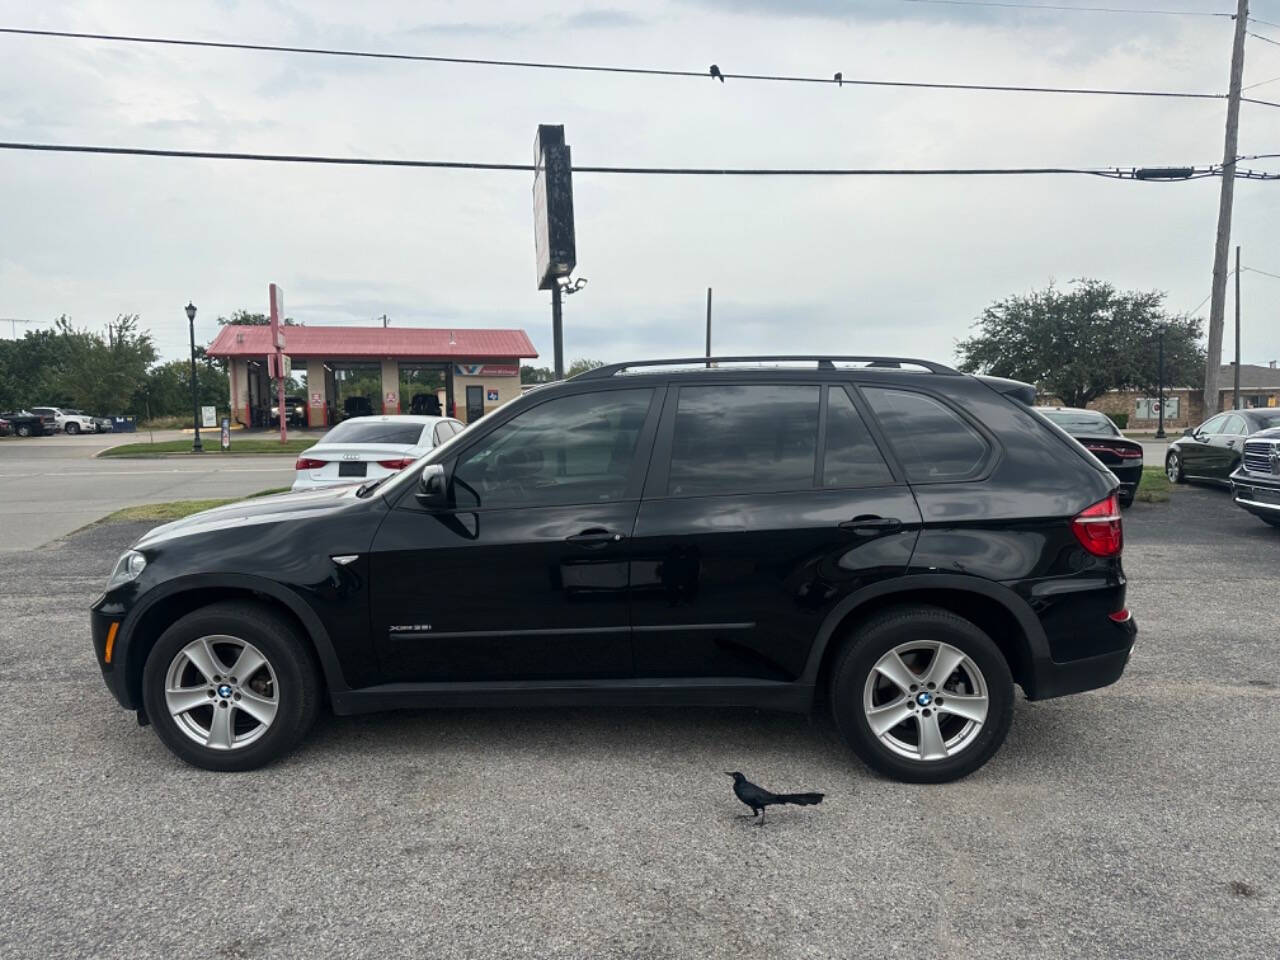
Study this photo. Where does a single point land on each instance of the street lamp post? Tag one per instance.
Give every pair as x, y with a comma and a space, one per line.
1160, 388
196, 447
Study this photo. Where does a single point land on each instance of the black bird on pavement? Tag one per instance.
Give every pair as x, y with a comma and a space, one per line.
716, 74
839, 79
757, 798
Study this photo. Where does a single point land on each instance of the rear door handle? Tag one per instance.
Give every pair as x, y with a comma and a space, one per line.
869, 526
595, 537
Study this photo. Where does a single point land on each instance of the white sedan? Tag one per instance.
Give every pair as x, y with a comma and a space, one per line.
369, 448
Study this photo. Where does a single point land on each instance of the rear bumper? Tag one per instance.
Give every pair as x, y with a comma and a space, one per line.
1058, 679
1129, 476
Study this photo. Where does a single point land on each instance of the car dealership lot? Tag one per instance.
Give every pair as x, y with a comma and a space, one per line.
50, 486
1136, 820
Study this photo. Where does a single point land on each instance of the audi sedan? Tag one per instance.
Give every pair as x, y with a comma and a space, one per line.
369, 448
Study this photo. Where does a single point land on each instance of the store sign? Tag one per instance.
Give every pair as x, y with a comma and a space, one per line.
1148, 408
486, 370
208, 417
491, 396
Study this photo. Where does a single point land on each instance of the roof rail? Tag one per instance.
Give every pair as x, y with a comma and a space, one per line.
824, 362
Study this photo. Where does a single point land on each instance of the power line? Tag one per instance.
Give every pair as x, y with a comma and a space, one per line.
1253, 19
1274, 276
1258, 36
595, 68
1062, 7
1115, 173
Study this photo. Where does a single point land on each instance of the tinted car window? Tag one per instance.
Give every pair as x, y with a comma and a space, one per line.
1212, 425
743, 439
375, 431
851, 456
443, 432
576, 449
1234, 426
1259, 420
932, 441
1077, 422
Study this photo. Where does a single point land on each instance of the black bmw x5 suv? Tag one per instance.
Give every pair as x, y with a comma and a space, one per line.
888, 538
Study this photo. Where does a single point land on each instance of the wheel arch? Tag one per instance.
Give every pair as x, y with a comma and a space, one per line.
990, 606
144, 625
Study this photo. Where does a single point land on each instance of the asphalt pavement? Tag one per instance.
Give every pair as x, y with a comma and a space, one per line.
1135, 821
50, 486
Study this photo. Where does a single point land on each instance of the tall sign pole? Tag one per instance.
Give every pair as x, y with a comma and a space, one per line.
708, 353
555, 244
277, 345
1236, 393
1221, 250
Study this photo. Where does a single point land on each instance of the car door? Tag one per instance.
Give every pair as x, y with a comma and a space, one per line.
524, 575
1197, 447
1227, 445
767, 503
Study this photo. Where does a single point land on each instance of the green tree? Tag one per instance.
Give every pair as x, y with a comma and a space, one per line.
243, 318
1077, 344
582, 365
530, 374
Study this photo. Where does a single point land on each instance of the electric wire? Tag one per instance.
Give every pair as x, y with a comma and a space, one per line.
1055, 7
599, 68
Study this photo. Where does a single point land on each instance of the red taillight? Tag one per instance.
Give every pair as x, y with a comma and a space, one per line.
396, 464
1099, 529
1127, 453
306, 463
1120, 616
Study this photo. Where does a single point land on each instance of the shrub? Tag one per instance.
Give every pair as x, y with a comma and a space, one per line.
1121, 420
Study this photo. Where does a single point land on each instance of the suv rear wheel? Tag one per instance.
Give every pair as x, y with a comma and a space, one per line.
922, 695
231, 686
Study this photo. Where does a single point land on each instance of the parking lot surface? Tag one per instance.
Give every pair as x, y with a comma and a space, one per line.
1135, 821
50, 486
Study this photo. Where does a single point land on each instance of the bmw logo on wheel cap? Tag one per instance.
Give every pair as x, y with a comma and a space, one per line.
224, 691
924, 698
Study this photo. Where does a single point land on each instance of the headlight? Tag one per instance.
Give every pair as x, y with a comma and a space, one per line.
128, 567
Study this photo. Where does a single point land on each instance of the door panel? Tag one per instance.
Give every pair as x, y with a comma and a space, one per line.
502, 594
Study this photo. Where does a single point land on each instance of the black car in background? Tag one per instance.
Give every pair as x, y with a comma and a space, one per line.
1211, 452
1098, 434
297, 412
27, 424
900, 546
1255, 484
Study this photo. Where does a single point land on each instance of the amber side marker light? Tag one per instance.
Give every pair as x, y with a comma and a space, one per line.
111, 642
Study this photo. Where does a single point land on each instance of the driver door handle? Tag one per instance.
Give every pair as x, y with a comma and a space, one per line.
869, 526
595, 537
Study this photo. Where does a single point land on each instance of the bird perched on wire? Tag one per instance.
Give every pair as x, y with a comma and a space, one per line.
757, 798
839, 79
716, 74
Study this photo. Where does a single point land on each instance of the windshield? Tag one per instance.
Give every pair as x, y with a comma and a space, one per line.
1264, 419
376, 431
1078, 421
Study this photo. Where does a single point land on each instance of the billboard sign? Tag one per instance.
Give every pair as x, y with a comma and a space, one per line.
277, 317
555, 245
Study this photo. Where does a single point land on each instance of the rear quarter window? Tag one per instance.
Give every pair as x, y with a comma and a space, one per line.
932, 441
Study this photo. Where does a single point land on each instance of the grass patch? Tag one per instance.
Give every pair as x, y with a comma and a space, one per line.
1155, 486
246, 446
177, 509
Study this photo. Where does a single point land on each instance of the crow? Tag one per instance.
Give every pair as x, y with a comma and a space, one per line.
757, 798
839, 79
716, 74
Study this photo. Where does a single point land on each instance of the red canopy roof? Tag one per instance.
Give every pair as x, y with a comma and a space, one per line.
349, 342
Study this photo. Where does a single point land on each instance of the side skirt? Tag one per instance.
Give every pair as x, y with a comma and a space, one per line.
708, 692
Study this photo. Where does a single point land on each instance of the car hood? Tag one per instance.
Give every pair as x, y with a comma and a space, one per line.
1271, 433
258, 510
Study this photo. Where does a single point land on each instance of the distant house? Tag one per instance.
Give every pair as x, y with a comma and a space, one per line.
1184, 406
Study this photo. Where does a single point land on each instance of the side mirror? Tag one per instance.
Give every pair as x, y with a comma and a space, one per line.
433, 487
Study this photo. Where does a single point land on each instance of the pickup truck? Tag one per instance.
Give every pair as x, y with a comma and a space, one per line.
27, 424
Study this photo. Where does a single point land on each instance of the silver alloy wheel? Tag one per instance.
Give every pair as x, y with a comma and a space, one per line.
1171, 467
925, 700
221, 692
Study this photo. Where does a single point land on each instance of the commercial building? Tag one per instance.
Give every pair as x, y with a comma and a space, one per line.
355, 371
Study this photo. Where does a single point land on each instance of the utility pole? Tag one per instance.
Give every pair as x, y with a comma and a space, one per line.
557, 330
1236, 394
708, 353
1217, 312
1160, 385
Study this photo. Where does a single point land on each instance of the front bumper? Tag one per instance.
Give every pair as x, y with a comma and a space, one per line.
1257, 493
1060, 678
103, 616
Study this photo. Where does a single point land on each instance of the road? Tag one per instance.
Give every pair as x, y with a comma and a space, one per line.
1135, 821
50, 486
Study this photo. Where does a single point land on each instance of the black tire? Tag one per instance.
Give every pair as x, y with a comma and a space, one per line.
886, 631
1126, 499
73, 428
1173, 468
289, 658
22, 430
1273, 521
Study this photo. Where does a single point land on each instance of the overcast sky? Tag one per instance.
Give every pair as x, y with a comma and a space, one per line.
821, 264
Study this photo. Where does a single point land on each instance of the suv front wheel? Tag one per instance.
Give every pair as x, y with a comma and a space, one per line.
231, 686
922, 695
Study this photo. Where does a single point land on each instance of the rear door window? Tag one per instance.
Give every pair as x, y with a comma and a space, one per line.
933, 442
744, 439
850, 456
1234, 426
376, 431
